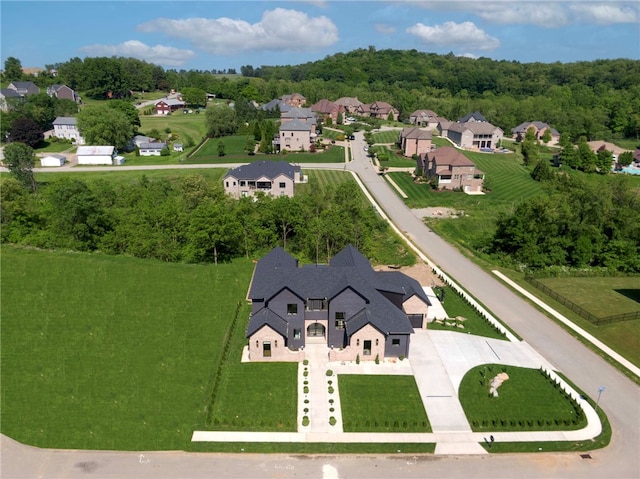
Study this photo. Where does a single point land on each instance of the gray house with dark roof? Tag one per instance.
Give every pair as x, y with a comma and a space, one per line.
275, 178
345, 305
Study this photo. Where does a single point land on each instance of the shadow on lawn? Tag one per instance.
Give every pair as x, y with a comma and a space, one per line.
633, 294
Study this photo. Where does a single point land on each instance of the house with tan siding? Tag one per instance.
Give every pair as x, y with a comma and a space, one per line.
275, 178
345, 305
475, 135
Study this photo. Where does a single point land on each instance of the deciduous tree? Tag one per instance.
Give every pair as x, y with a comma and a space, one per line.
20, 160
102, 125
221, 121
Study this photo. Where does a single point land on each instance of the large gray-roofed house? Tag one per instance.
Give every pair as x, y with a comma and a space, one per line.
346, 306
275, 178
475, 135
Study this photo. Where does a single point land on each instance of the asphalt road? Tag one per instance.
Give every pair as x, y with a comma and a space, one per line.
621, 401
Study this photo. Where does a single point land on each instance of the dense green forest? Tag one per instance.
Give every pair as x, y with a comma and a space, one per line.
190, 220
597, 99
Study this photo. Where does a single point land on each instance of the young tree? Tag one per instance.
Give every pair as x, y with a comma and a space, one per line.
604, 161
20, 160
27, 131
102, 125
221, 121
542, 171
250, 146
546, 136
625, 159
221, 147
12, 70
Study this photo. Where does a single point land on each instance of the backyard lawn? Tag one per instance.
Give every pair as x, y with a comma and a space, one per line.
370, 403
385, 137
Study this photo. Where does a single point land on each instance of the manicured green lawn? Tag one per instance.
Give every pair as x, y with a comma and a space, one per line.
182, 125
388, 158
603, 296
373, 403
527, 401
54, 147
623, 336
105, 352
124, 175
475, 324
386, 136
234, 153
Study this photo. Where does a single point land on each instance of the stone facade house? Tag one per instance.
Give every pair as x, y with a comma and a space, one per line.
414, 141
295, 100
424, 118
347, 306
539, 129
350, 104
327, 109
451, 169
378, 109
275, 178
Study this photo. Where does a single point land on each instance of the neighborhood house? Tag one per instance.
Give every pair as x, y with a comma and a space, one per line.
355, 311
414, 141
53, 160
276, 178
67, 127
451, 170
151, 149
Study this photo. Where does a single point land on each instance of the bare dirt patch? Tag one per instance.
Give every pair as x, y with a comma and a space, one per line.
420, 271
436, 212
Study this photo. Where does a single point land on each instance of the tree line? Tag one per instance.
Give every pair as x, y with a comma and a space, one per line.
190, 220
597, 99
580, 223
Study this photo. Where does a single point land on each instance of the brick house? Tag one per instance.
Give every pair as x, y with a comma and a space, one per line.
345, 305
539, 128
451, 169
414, 141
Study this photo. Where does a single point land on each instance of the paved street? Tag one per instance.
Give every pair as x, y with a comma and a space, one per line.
585, 368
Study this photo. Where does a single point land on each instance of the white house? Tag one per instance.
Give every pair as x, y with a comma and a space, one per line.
66, 127
96, 155
53, 160
152, 149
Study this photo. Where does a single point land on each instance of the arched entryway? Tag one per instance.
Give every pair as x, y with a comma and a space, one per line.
316, 330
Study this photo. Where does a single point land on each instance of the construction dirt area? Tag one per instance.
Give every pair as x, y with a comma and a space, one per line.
420, 271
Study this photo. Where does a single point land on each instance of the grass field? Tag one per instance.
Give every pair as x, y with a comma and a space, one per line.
389, 158
234, 153
214, 174
475, 324
370, 404
181, 125
527, 401
102, 352
385, 137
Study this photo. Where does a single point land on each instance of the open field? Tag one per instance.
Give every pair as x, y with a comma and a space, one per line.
527, 401
370, 404
105, 352
182, 125
234, 153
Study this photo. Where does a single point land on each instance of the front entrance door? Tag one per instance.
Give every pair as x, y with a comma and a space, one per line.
367, 348
315, 330
266, 349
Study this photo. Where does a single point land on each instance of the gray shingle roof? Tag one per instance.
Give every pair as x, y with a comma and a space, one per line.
65, 120
295, 125
268, 317
266, 168
476, 115
348, 269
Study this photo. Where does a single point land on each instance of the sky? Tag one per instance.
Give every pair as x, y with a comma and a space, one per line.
218, 35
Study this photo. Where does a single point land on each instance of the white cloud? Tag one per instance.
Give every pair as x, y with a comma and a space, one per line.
385, 29
278, 29
459, 35
606, 13
468, 55
158, 54
547, 13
